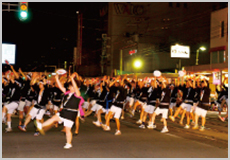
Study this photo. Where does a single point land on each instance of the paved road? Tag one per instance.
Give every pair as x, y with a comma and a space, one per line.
93, 142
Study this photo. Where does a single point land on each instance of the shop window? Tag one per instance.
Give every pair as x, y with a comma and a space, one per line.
214, 57
221, 57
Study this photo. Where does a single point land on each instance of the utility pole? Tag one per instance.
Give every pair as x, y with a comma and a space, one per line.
121, 60
74, 58
79, 40
9, 9
103, 53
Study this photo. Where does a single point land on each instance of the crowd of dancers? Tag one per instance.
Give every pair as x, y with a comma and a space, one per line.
70, 98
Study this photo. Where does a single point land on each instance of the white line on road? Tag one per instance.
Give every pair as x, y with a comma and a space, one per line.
172, 135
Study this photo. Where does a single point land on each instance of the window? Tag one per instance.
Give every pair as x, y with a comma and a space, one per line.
185, 5
214, 57
222, 29
218, 57
170, 4
177, 4
221, 57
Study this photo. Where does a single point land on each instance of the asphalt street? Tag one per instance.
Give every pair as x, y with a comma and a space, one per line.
93, 142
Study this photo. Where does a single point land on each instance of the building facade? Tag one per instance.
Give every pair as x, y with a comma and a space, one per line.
146, 31
218, 49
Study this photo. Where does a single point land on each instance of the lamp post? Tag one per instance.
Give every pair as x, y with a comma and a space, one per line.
197, 53
137, 64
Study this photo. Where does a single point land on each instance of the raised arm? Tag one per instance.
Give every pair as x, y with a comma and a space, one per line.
76, 89
164, 81
122, 81
20, 71
114, 81
194, 82
155, 82
178, 82
34, 79
60, 86
15, 73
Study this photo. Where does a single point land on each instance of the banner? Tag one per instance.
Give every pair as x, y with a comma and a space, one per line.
216, 78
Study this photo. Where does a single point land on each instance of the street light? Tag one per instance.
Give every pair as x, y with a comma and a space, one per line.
197, 53
137, 64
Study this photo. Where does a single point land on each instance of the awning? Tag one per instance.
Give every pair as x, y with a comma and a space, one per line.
221, 48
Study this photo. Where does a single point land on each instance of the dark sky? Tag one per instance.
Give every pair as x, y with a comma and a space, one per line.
51, 31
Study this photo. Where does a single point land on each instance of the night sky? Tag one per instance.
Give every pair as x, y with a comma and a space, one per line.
50, 33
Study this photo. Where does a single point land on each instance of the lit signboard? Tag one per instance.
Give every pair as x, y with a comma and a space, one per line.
216, 78
8, 53
131, 52
178, 51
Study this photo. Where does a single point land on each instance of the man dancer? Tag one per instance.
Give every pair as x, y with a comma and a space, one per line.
152, 98
116, 108
163, 106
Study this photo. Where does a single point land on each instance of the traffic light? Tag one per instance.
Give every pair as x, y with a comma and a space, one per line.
23, 10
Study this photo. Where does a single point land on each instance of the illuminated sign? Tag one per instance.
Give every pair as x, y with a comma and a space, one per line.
178, 51
131, 52
216, 78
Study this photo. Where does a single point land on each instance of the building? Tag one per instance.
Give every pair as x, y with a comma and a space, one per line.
146, 31
218, 49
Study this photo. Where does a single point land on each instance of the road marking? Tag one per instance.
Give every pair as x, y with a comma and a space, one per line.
173, 135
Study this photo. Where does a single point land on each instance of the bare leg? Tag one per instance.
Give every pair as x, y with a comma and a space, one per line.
118, 123
192, 116
99, 115
50, 121
144, 116
150, 117
77, 125
108, 118
8, 120
122, 113
4, 110
177, 112
196, 119
20, 117
164, 122
188, 117
182, 117
203, 120
26, 109
88, 113
68, 135
135, 105
28, 118
171, 111
153, 117
142, 112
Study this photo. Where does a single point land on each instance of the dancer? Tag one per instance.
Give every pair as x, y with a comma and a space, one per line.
40, 102
163, 106
8, 109
151, 105
71, 103
203, 106
117, 106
